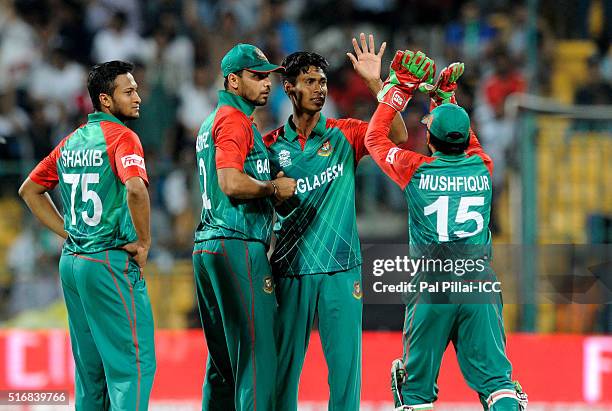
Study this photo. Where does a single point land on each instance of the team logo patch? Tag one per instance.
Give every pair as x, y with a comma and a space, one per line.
325, 150
391, 154
357, 292
260, 55
284, 158
133, 160
268, 285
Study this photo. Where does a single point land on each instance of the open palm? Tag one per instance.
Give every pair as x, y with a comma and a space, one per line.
366, 61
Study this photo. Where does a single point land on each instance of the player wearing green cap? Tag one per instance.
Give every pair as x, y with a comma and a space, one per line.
317, 261
234, 285
449, 202
102, 178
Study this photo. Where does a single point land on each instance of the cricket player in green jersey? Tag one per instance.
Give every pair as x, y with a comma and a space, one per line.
449, 204
317, 261
234, 284
103, 181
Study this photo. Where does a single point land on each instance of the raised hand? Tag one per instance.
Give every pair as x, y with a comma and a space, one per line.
366, 61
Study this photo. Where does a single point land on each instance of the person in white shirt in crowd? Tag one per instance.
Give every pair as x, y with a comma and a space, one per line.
119, 41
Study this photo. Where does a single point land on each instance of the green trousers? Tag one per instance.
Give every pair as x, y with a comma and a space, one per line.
477, 333
111, 330
337, 297
237, 306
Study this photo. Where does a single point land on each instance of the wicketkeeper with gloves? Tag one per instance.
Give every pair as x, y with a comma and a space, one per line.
449, 216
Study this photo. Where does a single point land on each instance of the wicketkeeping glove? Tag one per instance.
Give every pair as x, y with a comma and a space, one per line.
408, 71
444, 89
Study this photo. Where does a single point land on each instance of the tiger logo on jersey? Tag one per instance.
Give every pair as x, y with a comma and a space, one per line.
268, 285
325, 150
357, 292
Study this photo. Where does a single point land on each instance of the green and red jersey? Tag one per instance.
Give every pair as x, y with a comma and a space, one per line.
448, 196
228, 138
316, 230
91, 166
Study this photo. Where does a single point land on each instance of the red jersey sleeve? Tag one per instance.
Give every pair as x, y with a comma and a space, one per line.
400, 165
355, 131
45, 173
124, 152
475, 149
233, 139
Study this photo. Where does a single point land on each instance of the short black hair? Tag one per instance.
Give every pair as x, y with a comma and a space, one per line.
225, 82
102, 77
448, 148
299, 62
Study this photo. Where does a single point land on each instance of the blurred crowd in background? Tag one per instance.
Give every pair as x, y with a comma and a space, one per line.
47, 47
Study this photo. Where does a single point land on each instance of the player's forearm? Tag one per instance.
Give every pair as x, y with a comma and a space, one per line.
42, 207
236, 184
374, 85
384, 153
140, 211
376, 139
398, 133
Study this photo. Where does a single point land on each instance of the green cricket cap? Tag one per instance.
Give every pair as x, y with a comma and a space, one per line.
246, 57
448, 122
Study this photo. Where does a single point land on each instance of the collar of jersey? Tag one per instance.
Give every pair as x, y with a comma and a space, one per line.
451, 157
292, 135
228, 99
99, 116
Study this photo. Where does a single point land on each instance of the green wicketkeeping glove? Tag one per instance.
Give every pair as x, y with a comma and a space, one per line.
443, 91
407, 73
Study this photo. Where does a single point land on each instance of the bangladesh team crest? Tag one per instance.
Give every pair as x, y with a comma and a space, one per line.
268, 285
357, 292
284, 158
260, 55
325, 150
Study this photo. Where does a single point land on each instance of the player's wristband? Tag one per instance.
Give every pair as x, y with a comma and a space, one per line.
275, 191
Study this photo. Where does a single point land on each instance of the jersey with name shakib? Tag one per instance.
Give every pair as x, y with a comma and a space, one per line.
228, 138
449, 196
91, 166
316, 230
